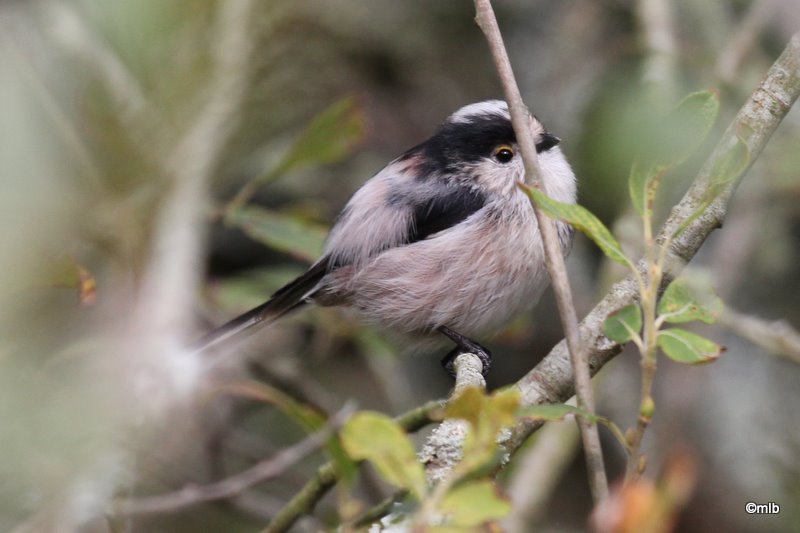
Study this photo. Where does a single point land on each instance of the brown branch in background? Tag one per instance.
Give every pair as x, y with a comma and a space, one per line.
551, 381
779, 337
555, 260
537, 473
238, 483
742, 41
657, 27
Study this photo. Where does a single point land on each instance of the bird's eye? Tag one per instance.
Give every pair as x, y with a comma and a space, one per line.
503, 153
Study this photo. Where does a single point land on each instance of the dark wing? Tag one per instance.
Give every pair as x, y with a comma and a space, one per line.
449, 207
286, 299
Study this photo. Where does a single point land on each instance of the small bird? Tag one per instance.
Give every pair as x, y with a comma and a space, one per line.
440, 241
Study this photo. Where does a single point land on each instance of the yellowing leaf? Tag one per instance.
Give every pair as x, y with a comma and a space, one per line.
621, 325
467, 405
66, 272
473, 503
687, 347
380, 440
487, 416
581, 219
678, 304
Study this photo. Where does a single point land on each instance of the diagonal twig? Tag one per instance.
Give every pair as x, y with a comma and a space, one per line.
238, 483
555, 260
551, 381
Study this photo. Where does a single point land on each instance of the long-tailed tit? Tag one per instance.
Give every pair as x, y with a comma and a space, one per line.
441, 241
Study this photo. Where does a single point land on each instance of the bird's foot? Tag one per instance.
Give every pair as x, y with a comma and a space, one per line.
464, 345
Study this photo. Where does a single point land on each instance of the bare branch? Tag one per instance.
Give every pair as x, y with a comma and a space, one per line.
657, 23
777, 337
537, 473
743, 39
555, 260
551, 381
238, 483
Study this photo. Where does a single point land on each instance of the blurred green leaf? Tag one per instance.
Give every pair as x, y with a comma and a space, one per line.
330, 137
621, 325
380, 440
725, 170
556, 412
679, 304
283, 232
487, 416
474, 503
251, 288
680, 134
687, 347
582, 219
728, 168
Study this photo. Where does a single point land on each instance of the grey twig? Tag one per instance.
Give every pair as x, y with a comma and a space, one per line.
537, 473
551, 381
778, 337
555, 261
744, 37
238, 483
657, 23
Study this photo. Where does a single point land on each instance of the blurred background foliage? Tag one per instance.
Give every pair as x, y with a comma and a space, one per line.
94, 98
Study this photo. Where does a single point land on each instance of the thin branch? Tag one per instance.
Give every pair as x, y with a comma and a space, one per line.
777, 337
238, 483
657, 22
306, 499
555, 260
538, 472
551, 381
743, 39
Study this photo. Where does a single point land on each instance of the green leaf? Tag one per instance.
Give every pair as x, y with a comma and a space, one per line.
474, 503
282, 232
679, 304
621, 325
687, 347
680, 134
330, 137
580, 218
380, 440
725, 170
555, 412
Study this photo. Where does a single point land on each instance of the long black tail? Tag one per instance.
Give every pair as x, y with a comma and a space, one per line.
291, 296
